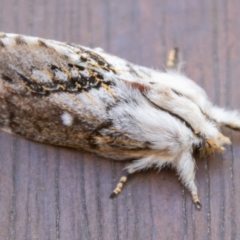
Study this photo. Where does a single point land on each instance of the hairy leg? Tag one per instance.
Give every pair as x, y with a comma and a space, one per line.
138, 165
185, 166
188, 112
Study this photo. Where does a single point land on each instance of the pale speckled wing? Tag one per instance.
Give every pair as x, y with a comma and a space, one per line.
121, 68
64, 95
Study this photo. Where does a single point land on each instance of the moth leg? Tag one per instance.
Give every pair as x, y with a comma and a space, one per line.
187, 111
172, 60
138, 165
186, 170
121, 182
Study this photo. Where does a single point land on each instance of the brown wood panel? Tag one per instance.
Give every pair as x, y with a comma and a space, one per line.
48, 192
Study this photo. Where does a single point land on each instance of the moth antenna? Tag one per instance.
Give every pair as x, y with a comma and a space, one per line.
172, 58
121, 182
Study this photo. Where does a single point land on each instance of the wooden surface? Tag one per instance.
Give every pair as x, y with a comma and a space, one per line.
55, 193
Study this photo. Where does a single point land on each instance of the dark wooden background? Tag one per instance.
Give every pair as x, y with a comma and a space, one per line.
48, 192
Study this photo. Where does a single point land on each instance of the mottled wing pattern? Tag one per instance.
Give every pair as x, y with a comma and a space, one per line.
39, 67
69, 91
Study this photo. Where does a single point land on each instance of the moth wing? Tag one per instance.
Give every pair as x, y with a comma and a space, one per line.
60, 94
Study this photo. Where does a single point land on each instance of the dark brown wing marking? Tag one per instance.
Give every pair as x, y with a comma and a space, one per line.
82, 76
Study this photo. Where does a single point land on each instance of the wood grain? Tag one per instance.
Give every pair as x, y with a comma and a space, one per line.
55, 193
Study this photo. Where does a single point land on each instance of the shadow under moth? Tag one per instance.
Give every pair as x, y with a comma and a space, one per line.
74, 96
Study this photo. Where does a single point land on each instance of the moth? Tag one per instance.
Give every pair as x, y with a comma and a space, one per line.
70, 95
